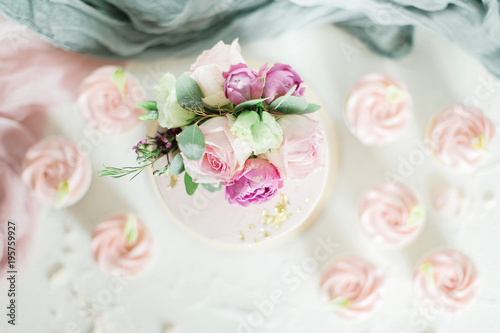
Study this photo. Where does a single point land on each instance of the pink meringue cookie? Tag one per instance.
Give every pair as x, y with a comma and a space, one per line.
390, 213
450, 200
377, 109
459, 137
446, 277
109, 104
57, 171
351, 285
122, 245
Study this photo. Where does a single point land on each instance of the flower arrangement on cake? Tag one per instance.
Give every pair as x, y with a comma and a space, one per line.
227, 126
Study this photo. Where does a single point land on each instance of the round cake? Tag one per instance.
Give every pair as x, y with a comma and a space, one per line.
211, 217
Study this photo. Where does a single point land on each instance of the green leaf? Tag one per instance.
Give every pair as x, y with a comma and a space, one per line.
211, 188
284, 97
292, 105
119, 78
151, 115
62, 194
311, 108
248, 105
130, 231
191, 142
177, 166
190, 185
148, 106
188, 93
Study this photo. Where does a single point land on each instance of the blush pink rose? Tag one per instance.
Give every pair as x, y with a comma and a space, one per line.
116, 254
57, 171
108, 106
208, 68
302, 149
258, 182
447, 277
351, 286
224, 153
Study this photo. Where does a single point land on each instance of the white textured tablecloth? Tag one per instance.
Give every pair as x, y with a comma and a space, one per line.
202, 289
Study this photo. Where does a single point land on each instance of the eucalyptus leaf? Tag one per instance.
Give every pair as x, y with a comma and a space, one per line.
284, 97
151, 115
292, 105
188, 93
212, 188
191, 142
177, 166
248, 105
189, 184
148, 106
311, 108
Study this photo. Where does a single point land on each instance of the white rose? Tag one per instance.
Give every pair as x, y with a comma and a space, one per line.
208, 68
170, 113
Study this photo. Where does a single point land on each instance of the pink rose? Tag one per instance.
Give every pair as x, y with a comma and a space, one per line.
258, 182
122, 248
57, 171
224, 153
351, 286
447, 276
279, 80
109, 104
208, 68
242, 83
302, 150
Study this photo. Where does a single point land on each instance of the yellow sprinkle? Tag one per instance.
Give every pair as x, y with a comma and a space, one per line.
242, 236
340, 303
480, 143
394, 95
173, 181
251, 226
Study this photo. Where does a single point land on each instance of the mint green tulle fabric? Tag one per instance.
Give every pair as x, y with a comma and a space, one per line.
153, 29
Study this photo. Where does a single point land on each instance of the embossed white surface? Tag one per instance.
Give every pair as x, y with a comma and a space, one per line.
203, 289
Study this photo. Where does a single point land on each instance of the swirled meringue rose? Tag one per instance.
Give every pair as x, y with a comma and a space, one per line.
459, 137
351, 286
450, 200
447, 277
107, 100
57, 171
377, 109
122, 245
390, 213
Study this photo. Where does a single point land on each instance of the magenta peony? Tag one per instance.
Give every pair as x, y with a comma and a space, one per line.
258, 182
243, 83
279, 80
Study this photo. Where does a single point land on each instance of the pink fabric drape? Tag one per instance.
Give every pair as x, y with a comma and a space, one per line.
34, 77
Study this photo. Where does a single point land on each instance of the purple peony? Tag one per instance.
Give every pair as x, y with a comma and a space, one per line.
279, 80
258, 182
242, 83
